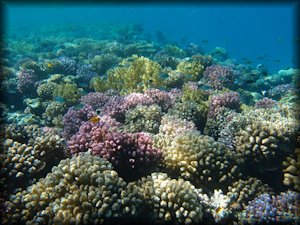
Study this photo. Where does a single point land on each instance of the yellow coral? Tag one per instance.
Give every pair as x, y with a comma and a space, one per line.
191, 68
135, 74
68, 92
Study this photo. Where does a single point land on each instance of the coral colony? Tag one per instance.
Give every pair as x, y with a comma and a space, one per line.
115, 131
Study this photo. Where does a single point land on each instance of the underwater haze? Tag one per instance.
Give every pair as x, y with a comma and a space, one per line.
153, 114
259, 34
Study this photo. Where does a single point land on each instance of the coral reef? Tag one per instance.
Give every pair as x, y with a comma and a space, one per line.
83, 190
130, 154
283, 208
103, 125
143, 118
291, 170
199, 159
170, 201
135, 74
219, 76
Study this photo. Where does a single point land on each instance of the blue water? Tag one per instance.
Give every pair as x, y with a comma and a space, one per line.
264, 34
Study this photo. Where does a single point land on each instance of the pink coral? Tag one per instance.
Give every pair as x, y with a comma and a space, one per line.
73, 119
95, 99
117, 106
162, 98
219, 76
229, 100
130, 154
26, 80
265, 103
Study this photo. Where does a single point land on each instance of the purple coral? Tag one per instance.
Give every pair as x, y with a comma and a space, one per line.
69, 65
73, 119
26, 80
161, 98
280, 90
95, 99
126, 151
266, 103
266, 209
85, 71
229, 100
219, 76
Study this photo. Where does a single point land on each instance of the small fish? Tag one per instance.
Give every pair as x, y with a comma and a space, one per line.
204, 41
94, 119
248, 61
261, 57
49, 65
59, 99
279, 40
219, 209
296, 39
276, 60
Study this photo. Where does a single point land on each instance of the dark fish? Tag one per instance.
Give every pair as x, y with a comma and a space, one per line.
248, 61
40, 167
59, 99
276, 60
204, 41
261, 57
296, 39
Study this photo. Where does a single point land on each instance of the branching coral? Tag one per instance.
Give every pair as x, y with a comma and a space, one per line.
191, 68
200, 159
266, 209
244, 190
143, 118
45, 90
260, 136
170, 127
69, 92
30, 155
291, 170
26, 80
219, 76
170, 201
135, 74
54, 112
191, 111
130, 154
81, 190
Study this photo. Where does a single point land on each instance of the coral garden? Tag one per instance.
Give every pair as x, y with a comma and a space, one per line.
115, 128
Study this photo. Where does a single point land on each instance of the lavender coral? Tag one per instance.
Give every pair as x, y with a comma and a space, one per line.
26, 80
132, 154
229, 100
219, 76
283, 208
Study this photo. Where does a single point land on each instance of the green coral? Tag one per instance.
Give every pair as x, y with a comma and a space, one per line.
201, 160
191, 68
54, 112
69, 92
191, 111
143, 119
102, 63
99, 84
45, 90
135, 74
175, 51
